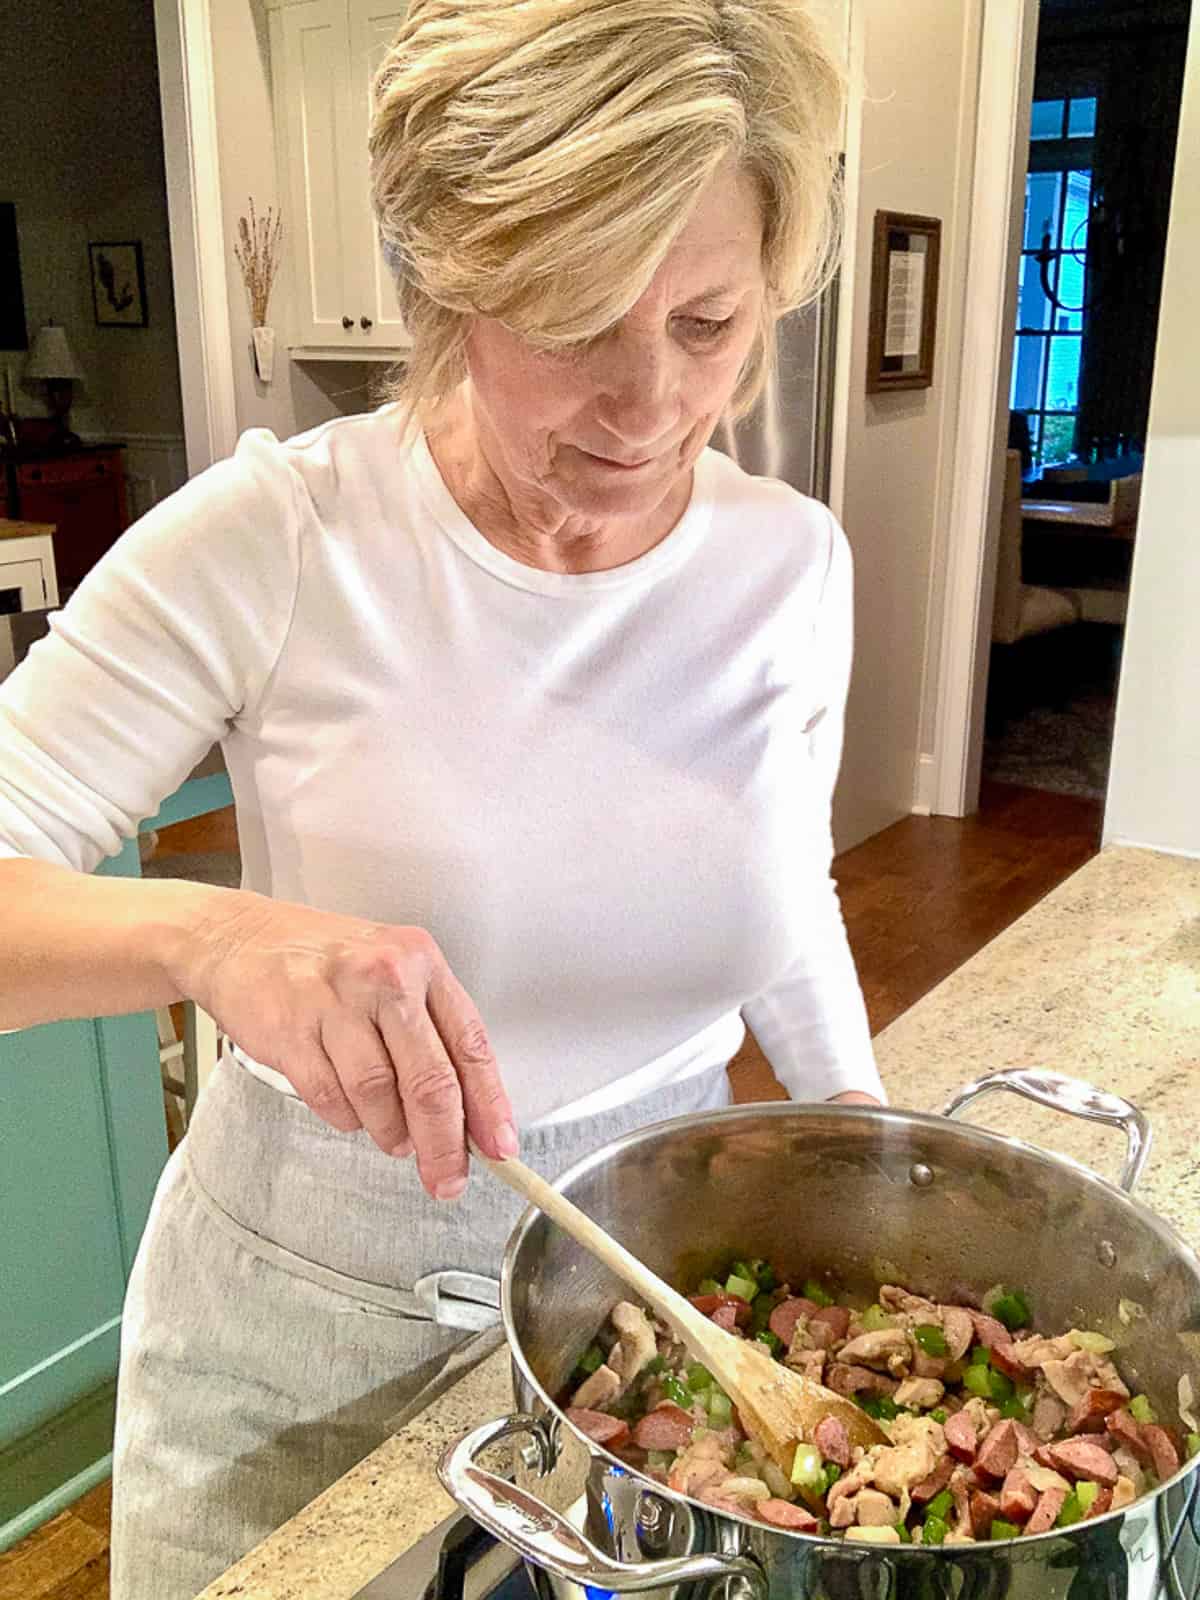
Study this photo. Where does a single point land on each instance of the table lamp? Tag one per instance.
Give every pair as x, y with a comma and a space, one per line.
51, 360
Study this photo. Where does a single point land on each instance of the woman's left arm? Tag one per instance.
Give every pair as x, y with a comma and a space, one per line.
811, 1022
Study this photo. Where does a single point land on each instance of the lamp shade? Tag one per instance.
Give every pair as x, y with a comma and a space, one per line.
51, 355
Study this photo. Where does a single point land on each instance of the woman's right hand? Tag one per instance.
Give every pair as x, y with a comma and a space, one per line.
364, 1019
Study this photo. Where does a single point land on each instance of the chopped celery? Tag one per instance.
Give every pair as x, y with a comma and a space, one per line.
698, 1377
1085, 1493
1002, 1388
709, 1286
1072, 1511
813, 1291
808, 1470
744, 1288
1097, 1343
940, 1506
591, 1359
1192, 1445
772, 1341
1014, 1410
940, 1414
676, 1391
979, 1356
874, 1318
1004, 1530
760, 1272
978, 1379
936, 1529
720, 1407
1141, 1410
931, 1339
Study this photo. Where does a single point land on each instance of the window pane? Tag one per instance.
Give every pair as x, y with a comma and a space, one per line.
1076, 210
1035, 439
1041, 207
1047, 120
1081, 119
1027, 373
1058, 439
1062, 386
1033, 309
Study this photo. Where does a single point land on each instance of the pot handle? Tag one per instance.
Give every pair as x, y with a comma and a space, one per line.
545, 1537
1077, 1099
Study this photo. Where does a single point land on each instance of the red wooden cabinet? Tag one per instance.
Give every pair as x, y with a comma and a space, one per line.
83, 494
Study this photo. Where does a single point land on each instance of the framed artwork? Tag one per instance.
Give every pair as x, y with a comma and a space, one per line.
118, 284
13, 332
904, 289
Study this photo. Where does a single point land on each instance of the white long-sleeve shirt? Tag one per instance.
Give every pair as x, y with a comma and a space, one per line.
607, 795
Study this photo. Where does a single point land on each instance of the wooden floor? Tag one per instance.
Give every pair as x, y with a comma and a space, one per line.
919, 899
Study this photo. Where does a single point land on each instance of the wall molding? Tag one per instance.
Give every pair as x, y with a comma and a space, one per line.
925, 788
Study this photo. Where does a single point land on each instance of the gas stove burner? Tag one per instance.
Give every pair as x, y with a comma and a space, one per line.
458, 1560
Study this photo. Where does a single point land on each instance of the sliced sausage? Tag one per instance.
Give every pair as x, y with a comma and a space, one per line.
985, 1508
1127, 1430
1084, 1458
1045, 1513
924, 1366
935, 1482
706, 1304
1164, 1457
1101, 1504
1090, 1414
990, 1331
958, 1325
960, 1436
836, 1318
667, 1427
1018, 1497
1028, 1442
782, 1514
849, 1380
787, 1314
725, 1317
832, 1440
1005, 1361
598, 1425
998, 1452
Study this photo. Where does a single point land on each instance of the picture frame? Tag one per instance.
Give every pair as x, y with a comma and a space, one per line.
14, 334
118, 283
902, 330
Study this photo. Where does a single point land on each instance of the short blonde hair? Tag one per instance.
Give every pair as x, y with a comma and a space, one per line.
534, 161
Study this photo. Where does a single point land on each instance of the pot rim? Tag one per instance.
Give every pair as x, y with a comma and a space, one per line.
731, 1115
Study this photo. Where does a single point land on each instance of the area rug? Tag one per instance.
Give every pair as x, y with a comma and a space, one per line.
1064, 749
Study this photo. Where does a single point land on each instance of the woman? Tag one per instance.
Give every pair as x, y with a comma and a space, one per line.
532, 706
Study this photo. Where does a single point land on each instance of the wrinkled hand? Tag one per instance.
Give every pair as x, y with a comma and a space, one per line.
365, 1020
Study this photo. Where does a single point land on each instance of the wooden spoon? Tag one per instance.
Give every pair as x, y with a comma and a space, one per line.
778, 1406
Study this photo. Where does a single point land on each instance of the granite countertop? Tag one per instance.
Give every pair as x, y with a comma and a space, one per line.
1100, 980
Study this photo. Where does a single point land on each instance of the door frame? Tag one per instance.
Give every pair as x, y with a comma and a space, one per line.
202, 326
1007, 63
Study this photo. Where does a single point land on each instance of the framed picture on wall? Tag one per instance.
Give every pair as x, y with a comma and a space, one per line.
904, 288
13, 333
118, 284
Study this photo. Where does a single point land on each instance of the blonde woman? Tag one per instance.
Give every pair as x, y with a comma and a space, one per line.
532, 705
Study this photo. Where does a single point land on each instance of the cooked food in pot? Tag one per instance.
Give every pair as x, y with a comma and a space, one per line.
996, 1431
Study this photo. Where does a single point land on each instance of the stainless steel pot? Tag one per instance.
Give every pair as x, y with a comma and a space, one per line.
865, 1195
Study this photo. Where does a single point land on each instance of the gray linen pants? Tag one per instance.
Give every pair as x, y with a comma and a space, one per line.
264, 1350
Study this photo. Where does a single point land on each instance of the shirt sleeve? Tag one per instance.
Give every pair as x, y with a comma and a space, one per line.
167, 643
811, 1022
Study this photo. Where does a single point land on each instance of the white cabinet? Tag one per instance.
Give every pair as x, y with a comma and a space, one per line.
28, 580
324, 54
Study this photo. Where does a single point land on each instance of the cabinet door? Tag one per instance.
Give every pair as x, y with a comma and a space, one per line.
310, 57
373, 26
22, 586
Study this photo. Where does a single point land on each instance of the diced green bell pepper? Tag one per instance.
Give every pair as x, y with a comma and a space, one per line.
1012, 1309
980, 1356
939, 1414
832, 1473
653, 1367
881, 1407
1004, 1530
813, 1291
676, 1391
709, 1286
1002, 1387
936, 1529
772, 1341
902, 1531
698, 1377
940, 1506
1072, 1511
808, 1470
1141, 1410
591, 1359
1014, 1409
978, 1380
931, 1339
744, 1288
720, 1407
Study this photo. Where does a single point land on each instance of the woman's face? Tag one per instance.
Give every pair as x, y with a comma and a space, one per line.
609, 429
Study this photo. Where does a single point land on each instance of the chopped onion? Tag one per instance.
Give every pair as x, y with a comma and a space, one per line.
1187, 1400
1043, 1478
1095, 1342
1130, 1311
744, 1489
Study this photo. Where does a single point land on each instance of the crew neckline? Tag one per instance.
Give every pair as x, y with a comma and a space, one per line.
662, 558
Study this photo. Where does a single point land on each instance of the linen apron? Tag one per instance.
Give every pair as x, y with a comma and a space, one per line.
296, 1296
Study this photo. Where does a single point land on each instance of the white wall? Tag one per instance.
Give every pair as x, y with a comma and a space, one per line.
917, 135
301, 394
1154, 781
81, 157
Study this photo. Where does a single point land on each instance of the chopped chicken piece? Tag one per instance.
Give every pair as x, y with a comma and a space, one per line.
877, 1349
923, 1393
1036, 1351
1049, 1414
917, 1445
637, 1344
1124, 1493
703, 1464
983, 1416
1070, 1378
872, 1509
597, 1389
809, 1362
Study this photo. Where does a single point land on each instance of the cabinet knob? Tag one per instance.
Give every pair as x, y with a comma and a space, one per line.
364, 323
347, 322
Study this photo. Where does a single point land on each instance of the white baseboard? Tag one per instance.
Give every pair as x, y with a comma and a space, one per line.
925, 787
